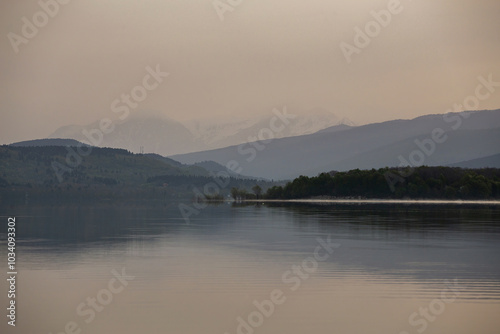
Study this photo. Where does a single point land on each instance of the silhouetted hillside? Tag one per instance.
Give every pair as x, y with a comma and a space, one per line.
41, 165
60, 172
48, 142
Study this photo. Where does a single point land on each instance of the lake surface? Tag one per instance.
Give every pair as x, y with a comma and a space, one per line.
273, 268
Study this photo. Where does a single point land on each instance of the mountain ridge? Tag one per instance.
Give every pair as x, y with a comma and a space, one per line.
292, 156
166, 136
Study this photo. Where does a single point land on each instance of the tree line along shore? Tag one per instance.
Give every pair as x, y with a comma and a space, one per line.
389, 183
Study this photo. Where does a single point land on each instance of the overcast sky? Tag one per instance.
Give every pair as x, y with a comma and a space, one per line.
264, 53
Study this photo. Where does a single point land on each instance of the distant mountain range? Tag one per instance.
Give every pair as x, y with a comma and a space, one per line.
165, 136
457, 139
427, 140
492, 161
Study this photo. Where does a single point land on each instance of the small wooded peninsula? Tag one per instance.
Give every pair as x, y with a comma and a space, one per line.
412, 183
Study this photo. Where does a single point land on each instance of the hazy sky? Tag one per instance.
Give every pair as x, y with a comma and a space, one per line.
264, 53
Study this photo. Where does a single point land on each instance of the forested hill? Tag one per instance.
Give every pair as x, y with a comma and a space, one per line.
53, 165
414, 183
92, 171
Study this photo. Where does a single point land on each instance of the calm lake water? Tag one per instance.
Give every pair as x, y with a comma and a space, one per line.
274, 268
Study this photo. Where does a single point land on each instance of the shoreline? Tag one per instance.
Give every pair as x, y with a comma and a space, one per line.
375, 201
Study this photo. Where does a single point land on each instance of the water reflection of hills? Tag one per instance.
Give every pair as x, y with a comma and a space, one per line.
72, 224
391, 241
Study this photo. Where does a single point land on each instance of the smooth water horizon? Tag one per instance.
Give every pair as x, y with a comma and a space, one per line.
128, 267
